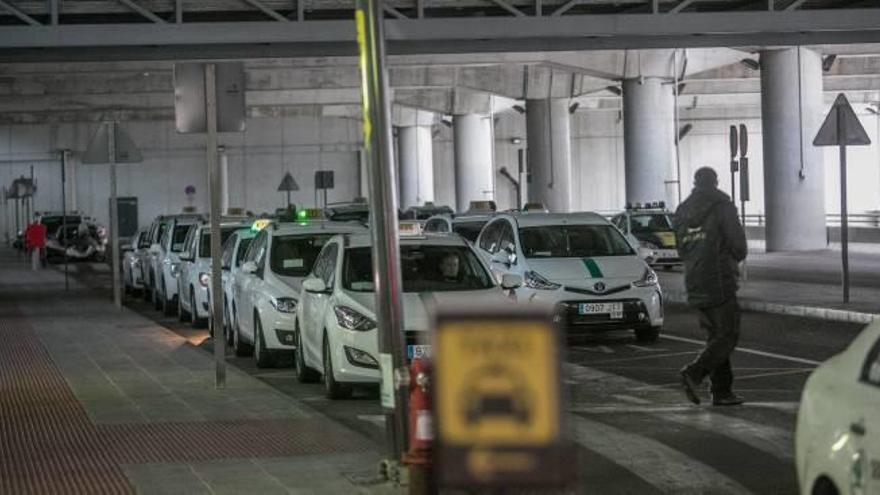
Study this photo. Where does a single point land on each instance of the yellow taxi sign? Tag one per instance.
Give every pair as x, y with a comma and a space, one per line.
260, 224
410, 229
497, 400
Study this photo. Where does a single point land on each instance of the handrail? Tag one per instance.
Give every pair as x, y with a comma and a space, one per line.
871, 219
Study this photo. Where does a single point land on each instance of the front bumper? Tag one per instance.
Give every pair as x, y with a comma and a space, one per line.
278, 330
203, 302
642, 307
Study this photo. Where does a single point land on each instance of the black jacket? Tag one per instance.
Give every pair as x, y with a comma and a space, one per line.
711, 242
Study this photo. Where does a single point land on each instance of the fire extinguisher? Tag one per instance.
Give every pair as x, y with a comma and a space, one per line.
421, 430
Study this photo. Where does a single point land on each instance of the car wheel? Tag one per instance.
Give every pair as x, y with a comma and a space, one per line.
825, 486
304, 374
332, 389
648, 334
264, 358
242, 348
182, 314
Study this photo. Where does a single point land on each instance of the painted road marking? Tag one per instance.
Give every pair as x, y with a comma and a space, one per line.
667, 469
747, 350
646, 349
737, 377
642, 357
373, 419
774, 441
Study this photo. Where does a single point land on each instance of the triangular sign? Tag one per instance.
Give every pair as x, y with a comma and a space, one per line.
288, 184
126, 151
841, 126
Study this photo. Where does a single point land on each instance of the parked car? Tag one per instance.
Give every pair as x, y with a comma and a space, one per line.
165, 256
132, 253
648, 228
234, 249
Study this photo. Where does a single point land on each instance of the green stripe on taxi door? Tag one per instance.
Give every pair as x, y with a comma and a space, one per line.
593, 268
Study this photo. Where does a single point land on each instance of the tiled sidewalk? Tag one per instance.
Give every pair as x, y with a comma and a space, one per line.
95, 400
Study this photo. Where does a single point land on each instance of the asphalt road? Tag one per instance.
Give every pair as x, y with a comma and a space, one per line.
634, 431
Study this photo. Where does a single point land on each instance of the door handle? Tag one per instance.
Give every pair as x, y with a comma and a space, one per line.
858, 428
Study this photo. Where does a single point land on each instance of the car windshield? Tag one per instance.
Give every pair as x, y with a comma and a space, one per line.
242, 249
658, 222
573, 241
205, 241
424, 268
294, 255
178, 236
469, 230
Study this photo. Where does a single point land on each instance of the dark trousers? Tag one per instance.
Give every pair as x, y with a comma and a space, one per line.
722, 326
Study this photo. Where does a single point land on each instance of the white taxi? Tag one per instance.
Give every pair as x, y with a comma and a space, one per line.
837, 444
336, 331
234, 250
649, 228
267, 287
193, 302
580, 264
166, 260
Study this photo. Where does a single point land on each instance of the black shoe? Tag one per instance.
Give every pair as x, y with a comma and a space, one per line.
690, 387
728, 399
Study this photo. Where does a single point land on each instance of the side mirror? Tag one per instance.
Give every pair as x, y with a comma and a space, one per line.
510, 281
249, 267
314, 285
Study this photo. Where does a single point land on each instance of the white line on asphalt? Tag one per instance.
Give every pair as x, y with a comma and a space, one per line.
641, 357
667, 469
774, 441
748, 351
631, 399
646, 349
776, 373
374, 419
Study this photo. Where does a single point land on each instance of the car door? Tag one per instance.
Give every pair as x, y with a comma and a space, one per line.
867, 424
226, 268
187, 257
250, 282
314, 304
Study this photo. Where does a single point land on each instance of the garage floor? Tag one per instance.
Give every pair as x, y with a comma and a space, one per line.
99, 401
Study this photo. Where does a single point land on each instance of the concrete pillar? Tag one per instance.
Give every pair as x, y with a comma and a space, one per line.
794, 176
648, 138
416, 159
548, 136
224, 179
474, 170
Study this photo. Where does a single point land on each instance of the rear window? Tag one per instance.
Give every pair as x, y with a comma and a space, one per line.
294, 256
178, 237
468, 230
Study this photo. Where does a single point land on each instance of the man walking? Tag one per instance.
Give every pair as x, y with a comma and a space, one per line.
711, 242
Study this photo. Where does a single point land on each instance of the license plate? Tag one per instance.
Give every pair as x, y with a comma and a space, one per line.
667, 253
419, 351
615, 310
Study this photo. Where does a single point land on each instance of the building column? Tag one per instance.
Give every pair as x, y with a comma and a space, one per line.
548, 137
648, 138
223, 160
474, 170
416, 158
794, 176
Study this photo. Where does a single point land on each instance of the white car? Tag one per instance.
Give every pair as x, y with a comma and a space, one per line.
234, 250
650, 230
838, 430
580, 264
166, 261
268, 285
336, 333
132, 275
194, 276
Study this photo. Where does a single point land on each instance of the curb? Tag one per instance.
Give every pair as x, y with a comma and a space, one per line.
829, 314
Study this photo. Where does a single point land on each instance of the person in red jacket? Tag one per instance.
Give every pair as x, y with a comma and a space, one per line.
35, 242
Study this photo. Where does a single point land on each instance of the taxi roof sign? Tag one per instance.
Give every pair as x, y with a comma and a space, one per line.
410, 229
260, 224
498, 399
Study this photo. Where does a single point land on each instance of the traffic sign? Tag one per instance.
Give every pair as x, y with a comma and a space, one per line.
98, 150
498, 400
841, 126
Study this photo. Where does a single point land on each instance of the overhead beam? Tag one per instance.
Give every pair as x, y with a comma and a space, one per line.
53, 11
681, 6
12, 9
142, 11
565, 7
394, 12
796, 4
266, 10
510, 8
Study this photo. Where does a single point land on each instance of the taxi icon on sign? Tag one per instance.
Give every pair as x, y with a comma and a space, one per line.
496, 393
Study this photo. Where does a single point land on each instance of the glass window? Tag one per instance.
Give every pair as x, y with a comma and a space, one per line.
436, 225
144, 240
573, 241
242, 250
489, 237
650, 223
205, 242
260, 250
160, 233
469, 230
424, 269
228, 250
295, 255
505, 238
871, 369
178, 237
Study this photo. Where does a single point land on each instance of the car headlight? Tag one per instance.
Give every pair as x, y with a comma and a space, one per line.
175, 269
534, 280
284, 304
352, 320
649, 279
204, 279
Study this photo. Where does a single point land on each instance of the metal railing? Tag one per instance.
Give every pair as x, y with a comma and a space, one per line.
871, 219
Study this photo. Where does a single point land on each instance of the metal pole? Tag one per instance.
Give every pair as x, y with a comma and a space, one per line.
520, 157
383, 206
677, 126
114, 214
844, 221
215, 186
64, 156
